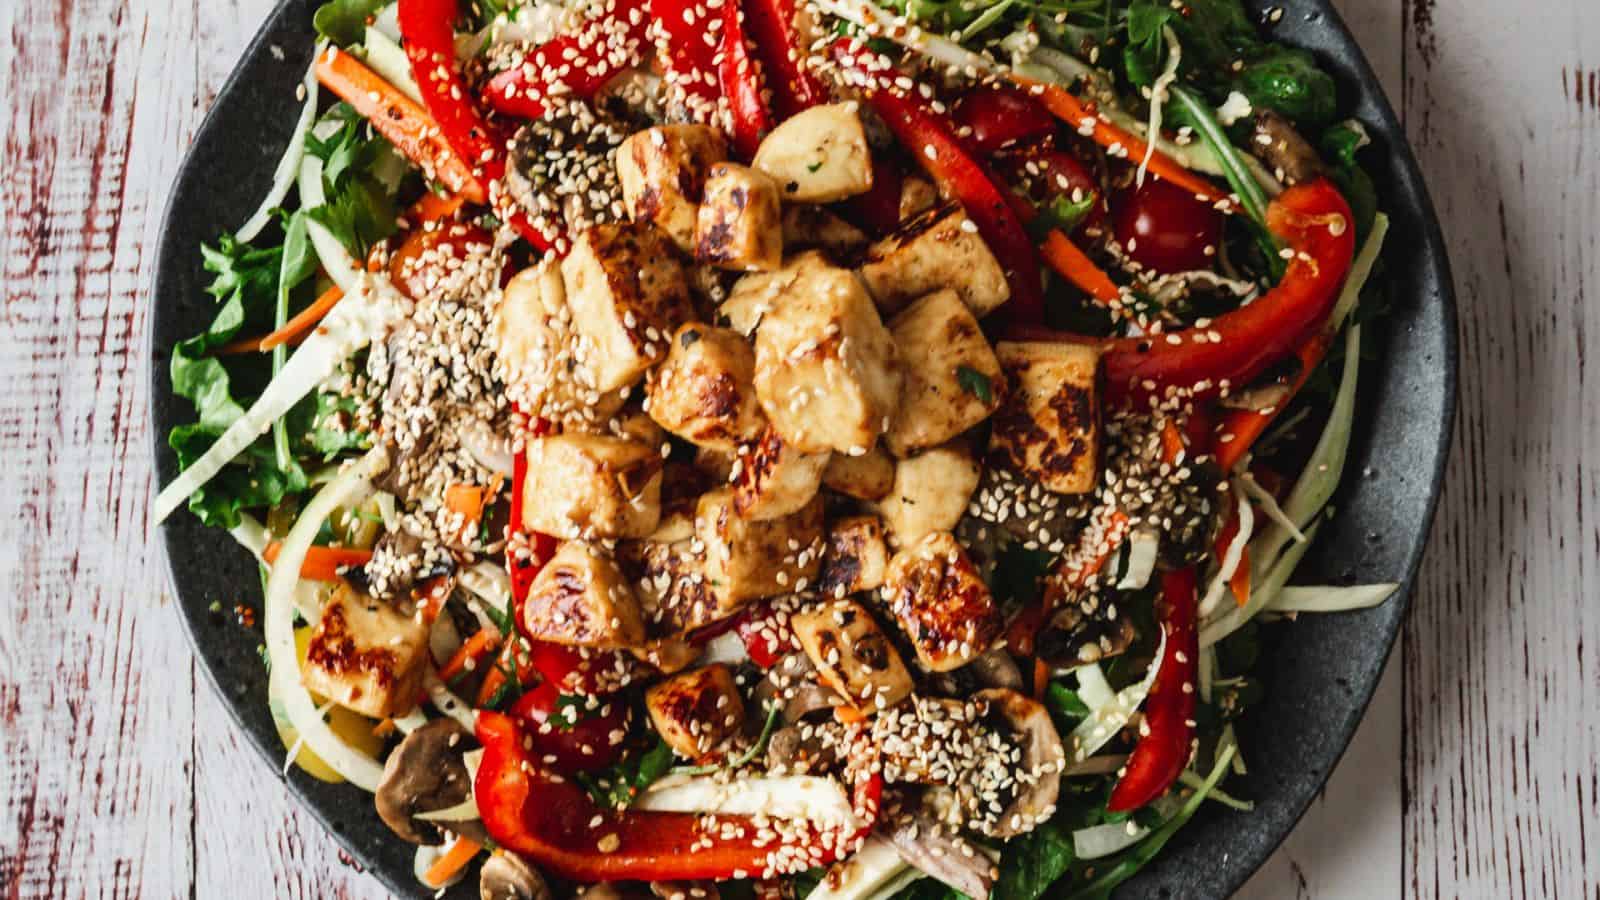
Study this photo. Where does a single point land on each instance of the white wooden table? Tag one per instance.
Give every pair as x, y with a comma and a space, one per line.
1474, 775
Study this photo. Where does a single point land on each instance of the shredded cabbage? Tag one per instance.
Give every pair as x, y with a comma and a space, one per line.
1231, 559
1360, 270
1325, 599
1261, 594
863, 875
1099, 841
289, 164
882, 23
822, 801
1158, 94
1107, 718
1143, 547
445, 701
385, 57
1269, 506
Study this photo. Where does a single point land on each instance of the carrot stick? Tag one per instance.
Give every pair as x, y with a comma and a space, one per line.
1075, 112
1172, 447
467, 501
322, 563
482, 643
849, 715
398, 118
1075, 266
1241, 428
1240, 582
454, 860
293, 331
1041, 678
431, 207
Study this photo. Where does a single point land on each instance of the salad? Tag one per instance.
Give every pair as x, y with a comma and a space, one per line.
785, 448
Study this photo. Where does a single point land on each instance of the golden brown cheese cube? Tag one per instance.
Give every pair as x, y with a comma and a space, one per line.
826, 371
696, 711
747, 559
582, 598
773, 479
819, 155
669, 579
739, 226
869, 476
940, 248
930, 492
814, 227
856, 557
1049, 426
592, 486
627, 294
917, 196
757, 294
853, 655
704, 391
952, 378
941, 602
366, 656
533, 341
662, 171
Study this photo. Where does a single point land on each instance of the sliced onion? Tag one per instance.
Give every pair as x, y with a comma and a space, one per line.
862, 875
283, 176
1325, 598
1108, 718
1231, 558
821, 801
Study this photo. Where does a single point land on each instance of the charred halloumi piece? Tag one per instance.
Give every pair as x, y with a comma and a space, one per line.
814, 227
826, 372
938, 249
704, 391
930, 493
592, 486
534, 349
819, 155
869, 476
772, 479
952, 378
917, 196
941, 602
697, 711
366, 656
852, 655
662, 171
628, 294
756, 294
668, 577
856, 558
1049, 426
746, 559
581, 598
739, 226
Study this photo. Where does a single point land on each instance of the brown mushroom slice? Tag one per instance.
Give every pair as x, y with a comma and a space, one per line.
685, 890
507, 876
1038, 771
939, 851
425, 773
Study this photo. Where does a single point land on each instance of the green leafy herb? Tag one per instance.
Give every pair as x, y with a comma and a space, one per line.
1033, 862
1062, 214
509, 689
1339, 145
1017, 572
1065, 707
756, 749
500, 618
344, 22
296, 263
617, 786
975, 383
359, 208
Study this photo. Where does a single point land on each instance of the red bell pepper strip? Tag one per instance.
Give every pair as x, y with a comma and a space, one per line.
553, 822
429, 38
932, 140
1168, 730
740, 77
687, 57
571, 65
783, 51
879, 207
1240, 428
1312, 221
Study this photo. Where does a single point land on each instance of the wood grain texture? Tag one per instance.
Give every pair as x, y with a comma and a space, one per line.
1474, 774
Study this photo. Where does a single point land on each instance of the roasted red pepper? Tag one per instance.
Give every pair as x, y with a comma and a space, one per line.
689, 60
1313, 222
932, 140
783, 51
1167, 733
879, 207
571, 65
740, 77
554, 823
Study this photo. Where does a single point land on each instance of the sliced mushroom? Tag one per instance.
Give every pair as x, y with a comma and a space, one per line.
996, 669
1038, 771
940, 852
1281, 147
685, 890
793, 680
507, 876
426, 773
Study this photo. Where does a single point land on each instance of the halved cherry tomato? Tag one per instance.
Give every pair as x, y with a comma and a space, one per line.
1167, 229
571, 732
576, 670
766, 634
994, 117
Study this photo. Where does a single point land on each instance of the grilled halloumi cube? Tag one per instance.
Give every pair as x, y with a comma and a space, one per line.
939, 248
1049, 426
739, 226
662, 171
819, 155
669, 579
704, 391
952, 378
772, 479
533, 340
941, 601
366, 656
869, 476
592, 486
826, 371
852, 654
917, 196
814, 227
856, 558
930, 493
757, 294
695, 712
748, 559
581, 598
627, 294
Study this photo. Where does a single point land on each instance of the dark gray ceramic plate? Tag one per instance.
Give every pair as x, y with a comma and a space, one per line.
1319, 672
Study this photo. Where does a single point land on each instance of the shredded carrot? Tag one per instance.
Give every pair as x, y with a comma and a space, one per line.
454, 860
293, 331
431, 595
1076, 266
431, 207
465, 500
1172, 447
1240, 582
471, 652
1041, 678
322, 563
1241, 428
1075, 112
397, 117
384, 728
849, 715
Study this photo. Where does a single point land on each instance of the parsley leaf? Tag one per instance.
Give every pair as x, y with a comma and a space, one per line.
975, 383
617, 786
344, 22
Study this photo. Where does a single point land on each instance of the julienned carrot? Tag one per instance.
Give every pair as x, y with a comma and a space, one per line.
1075, 266
1075, 113
471, 652
849, 715
322, 563
465, 500
1041, 679
432, 207
294, 330
1240, 582
398, 118
1172, 446
454, 860
1241, 428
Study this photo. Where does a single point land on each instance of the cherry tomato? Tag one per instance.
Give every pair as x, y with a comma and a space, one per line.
1165, 228
1000, 116
412, 266
766, 634
1046, 176
573, 733
575, 670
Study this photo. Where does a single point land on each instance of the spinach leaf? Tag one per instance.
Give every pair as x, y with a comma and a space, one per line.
1033, 862
344, 22
1288, 80
1339, 145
